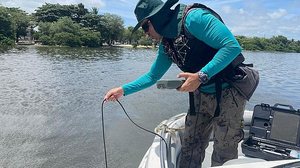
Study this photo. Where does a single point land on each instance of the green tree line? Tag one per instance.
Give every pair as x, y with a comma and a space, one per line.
75, 26
276, 43
66, 25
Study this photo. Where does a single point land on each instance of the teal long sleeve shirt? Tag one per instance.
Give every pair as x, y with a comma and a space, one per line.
204, 26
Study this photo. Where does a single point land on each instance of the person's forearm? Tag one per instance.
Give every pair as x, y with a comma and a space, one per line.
157, 70
141, 83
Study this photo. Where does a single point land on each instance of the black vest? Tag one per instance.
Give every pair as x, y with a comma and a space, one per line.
191, 54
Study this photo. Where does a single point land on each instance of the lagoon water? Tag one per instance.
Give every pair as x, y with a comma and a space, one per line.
50, 103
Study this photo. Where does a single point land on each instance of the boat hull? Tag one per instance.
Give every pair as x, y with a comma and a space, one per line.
160, 156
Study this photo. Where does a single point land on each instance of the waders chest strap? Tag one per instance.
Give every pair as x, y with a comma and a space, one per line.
192, 104
218, 98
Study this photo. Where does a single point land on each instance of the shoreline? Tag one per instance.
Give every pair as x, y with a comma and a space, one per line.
114, 45
131, 46
125, 46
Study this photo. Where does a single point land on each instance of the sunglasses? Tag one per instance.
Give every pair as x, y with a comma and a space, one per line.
145, 26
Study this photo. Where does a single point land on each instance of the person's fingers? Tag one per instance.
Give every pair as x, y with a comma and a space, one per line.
183, 75
108, 95
114, 94
181, 88
111, 98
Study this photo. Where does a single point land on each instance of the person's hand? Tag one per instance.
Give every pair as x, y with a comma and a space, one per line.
191, 82
114, 94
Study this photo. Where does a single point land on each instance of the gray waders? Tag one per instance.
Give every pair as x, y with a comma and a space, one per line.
227, 128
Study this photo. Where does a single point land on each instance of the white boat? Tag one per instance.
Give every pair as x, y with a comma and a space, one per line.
172, 129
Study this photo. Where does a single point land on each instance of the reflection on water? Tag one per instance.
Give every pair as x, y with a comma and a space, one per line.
51, 96
109, 53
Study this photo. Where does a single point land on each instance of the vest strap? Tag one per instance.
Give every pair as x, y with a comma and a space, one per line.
192, 104
218, 96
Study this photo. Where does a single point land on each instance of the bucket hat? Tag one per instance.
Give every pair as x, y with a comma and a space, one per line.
157, 11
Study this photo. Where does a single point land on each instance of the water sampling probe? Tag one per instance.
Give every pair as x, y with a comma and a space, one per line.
103, 131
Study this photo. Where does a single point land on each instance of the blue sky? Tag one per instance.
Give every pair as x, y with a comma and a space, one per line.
262, 18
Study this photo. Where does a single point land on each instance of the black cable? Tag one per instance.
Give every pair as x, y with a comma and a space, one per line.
103, 133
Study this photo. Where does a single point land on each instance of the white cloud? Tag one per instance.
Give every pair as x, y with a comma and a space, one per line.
278, 14
226, 9
241, 11
255, 19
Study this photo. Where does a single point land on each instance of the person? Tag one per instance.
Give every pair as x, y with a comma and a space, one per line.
195, 38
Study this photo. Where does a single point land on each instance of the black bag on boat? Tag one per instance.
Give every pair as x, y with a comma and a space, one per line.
274, 133
245, 80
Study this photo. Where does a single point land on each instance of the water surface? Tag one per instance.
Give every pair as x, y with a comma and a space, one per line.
51, 98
